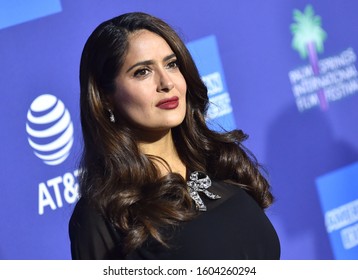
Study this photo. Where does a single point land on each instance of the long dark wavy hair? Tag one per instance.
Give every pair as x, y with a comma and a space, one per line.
123, 183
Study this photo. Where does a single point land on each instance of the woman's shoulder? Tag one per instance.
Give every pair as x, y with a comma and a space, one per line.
234, 190
84, 213
85, 220
86, 216
92, 235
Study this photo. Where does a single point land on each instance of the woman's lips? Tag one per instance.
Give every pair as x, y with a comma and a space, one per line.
168, 103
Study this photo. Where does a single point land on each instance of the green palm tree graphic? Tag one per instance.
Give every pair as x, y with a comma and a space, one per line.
308, 37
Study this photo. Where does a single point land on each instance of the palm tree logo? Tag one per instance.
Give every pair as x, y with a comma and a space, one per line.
308, 37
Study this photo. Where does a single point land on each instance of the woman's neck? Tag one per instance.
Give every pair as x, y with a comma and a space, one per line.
162, 146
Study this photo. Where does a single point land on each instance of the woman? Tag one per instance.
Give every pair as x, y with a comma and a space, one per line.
156, 182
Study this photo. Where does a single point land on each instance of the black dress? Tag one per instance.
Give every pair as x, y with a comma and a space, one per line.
233, 227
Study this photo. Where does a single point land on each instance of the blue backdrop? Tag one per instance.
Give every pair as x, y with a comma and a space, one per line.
283, 71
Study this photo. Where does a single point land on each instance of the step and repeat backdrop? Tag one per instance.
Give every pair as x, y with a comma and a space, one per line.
283, 71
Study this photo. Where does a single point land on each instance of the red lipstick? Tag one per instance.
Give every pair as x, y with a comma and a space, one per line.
168, 103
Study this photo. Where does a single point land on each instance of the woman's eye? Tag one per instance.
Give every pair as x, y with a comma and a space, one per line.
173, 64
141, 72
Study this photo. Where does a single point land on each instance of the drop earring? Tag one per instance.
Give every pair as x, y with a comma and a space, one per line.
111, 116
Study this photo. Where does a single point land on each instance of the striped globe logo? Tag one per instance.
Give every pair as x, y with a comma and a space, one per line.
50, 129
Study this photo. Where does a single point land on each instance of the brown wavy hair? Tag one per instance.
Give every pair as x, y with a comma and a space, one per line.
116, 177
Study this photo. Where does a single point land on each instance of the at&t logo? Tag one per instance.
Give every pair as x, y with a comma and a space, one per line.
50, 129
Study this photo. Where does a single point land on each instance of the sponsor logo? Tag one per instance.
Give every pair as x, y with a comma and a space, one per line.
325, 80
53, 192
220, 103
50, 129
220, 112
339, 203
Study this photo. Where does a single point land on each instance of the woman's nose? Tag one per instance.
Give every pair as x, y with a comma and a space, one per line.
165, 83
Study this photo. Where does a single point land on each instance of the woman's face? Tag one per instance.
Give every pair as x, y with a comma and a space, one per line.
150, 89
